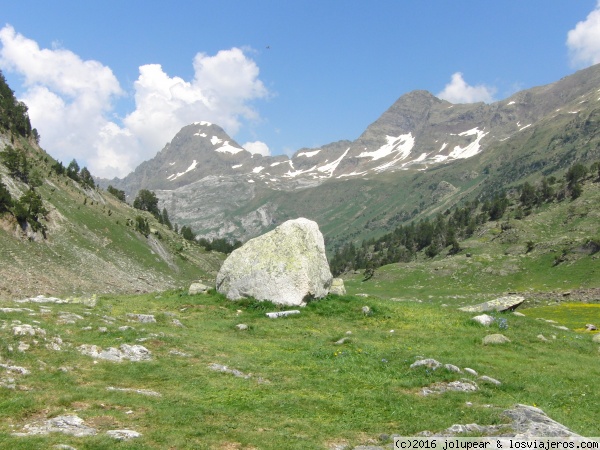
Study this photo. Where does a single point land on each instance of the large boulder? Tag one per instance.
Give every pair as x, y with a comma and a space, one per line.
287, 266
508, 303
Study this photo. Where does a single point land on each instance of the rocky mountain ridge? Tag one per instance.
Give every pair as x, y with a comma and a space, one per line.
208, 181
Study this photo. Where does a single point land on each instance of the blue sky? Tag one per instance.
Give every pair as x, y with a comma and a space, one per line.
109, 83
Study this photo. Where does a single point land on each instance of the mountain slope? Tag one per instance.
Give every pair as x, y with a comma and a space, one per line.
422, 155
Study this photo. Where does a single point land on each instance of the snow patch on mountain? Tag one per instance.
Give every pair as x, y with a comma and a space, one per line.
471, 149
200, 134
189, 169
290, 174
227, 147
215, 140
257, 169
402, 144
330, 168
352, 174
308, 154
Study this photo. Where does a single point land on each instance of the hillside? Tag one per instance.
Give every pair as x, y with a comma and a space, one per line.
91, 246
84, 241
550, 254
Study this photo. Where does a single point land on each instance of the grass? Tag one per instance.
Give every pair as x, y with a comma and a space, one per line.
304, 391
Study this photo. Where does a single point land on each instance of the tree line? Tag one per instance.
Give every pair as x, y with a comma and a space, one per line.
431, 236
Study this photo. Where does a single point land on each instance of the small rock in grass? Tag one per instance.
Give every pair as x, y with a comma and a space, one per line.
452, 368
429, 363
542, 338
591, 327
484, 320
123, 435
471, 371
596, 338
142, 318
495, 339
177, 323
491, 380
241, 327
198, 288
366, 310
341, 341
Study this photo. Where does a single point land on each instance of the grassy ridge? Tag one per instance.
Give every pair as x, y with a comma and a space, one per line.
304, 390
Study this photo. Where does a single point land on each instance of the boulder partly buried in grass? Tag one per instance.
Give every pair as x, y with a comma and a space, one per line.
508, 303
493, 339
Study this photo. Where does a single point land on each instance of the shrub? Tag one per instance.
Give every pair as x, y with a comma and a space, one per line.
6, 201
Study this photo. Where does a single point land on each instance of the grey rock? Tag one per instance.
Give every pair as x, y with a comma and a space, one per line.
508, 303
146, 392
241, 327
123, 435
342, 341
67, 424
471, 371
456, 386
337, 287
366, 310
452, 368
42, 299
17, 369
275, 315
490, 380
484, 320
68, 318
142, 318
590, 327
596, 338
125, 352
529, 421
198, 288
177, 323
27, 330
429, 363
287, 266
225, 369
495, 339
541, 337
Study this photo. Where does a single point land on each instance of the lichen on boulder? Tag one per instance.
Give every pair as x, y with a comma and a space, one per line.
287, 266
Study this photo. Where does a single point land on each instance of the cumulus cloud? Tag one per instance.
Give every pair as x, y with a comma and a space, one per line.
583, 41
71, 102
257, 147
458, 91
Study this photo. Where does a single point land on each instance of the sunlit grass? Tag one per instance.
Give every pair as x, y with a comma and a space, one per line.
304, 390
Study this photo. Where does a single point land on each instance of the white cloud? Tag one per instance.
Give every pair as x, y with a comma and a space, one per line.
70, 102
257, 147
458, 91
583, 41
